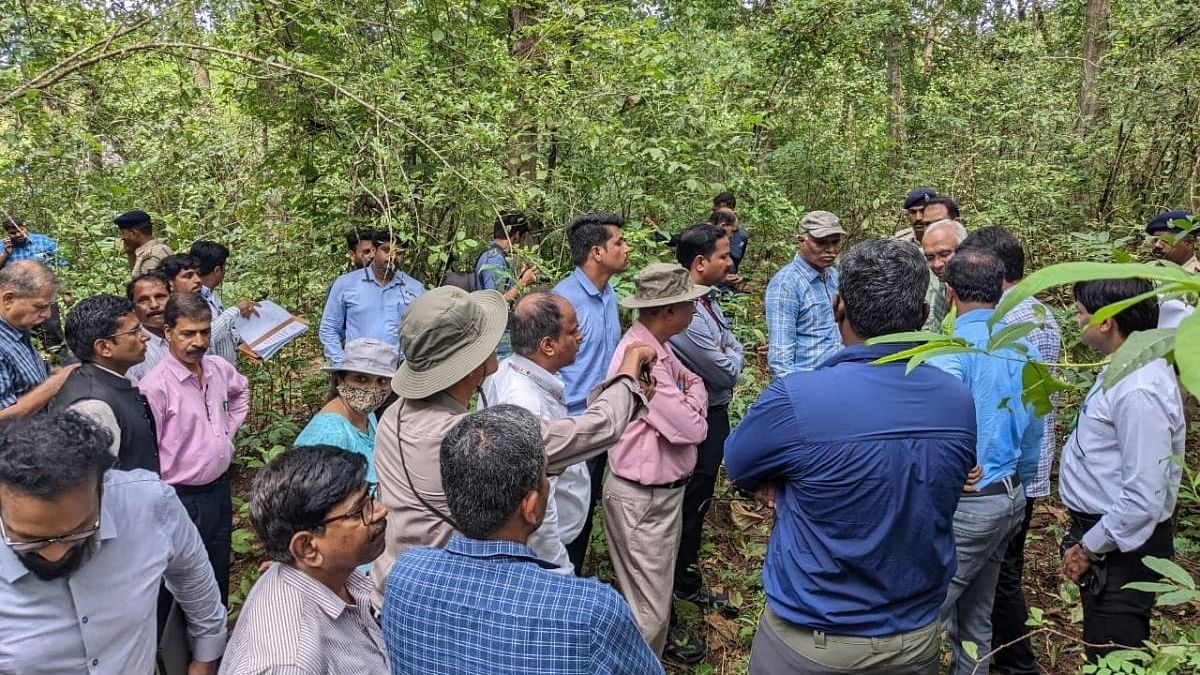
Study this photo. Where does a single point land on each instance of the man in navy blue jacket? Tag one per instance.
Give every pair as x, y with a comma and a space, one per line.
862, 552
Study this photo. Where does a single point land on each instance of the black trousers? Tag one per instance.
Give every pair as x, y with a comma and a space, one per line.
577, 549
211, 509
697, 497
1111, 614
1009, 612
50, 334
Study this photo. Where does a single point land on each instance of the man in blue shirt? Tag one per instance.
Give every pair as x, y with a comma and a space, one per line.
493, 271
369, 302
799, 302
486, 602
863, 545
21, 244
599, 251
1008, 447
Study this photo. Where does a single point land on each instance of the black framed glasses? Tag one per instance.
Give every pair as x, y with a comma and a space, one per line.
364, 510
131, 331
39, 544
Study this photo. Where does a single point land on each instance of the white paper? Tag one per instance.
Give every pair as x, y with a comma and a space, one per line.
269, 318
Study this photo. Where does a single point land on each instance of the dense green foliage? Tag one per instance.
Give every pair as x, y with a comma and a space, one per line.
276, 125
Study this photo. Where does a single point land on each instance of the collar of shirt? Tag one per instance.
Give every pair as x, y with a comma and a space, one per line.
180, 371
808, 271
329, 602
145, 248
399, 278
974, 316
638, 331
114, 373
586, 284
547, 381
7, 330
862, 353
494, 549
11, 567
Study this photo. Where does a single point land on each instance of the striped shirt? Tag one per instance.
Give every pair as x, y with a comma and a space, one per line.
225, 339
493, 607
1048, 339
800, 325
38, 247
156, 349
293, 624
21, 367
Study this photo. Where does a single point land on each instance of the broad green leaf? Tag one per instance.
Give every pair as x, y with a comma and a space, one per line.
1187, 355
1069, 273
1177, 598
1170, 570
911, 336
1039, 386
1151, 587
1116, 308
1140, 348
971, 649
924, 356
1009, 334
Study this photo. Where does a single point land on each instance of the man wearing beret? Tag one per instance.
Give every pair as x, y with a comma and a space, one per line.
145, 253
914, 207
1166, 229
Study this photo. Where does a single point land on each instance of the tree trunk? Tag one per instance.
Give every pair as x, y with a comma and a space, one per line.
1094, 46
523, 161
895, 74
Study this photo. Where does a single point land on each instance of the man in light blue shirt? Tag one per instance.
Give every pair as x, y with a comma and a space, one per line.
599, 251
799, 302
369, 302
1007, 450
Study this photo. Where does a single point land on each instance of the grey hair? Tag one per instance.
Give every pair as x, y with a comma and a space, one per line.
490, 461
534, 317
882, 283
960, 232
26, 278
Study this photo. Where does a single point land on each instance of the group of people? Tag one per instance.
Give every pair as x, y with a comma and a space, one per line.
409, 533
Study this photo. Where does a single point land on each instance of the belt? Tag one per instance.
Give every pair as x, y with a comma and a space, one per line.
201, 489
1003, 486
668, 486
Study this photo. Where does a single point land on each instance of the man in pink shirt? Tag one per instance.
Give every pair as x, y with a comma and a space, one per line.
198, 402
651, 463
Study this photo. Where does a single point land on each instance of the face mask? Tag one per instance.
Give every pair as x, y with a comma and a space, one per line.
362, 400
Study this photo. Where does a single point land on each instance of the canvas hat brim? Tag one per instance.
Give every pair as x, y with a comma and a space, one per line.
367, 370
414, 384
632, 302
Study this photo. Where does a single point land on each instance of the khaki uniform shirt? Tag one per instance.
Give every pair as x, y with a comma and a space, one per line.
149, 256
935, 297
906, 234
410, 437
1192, 265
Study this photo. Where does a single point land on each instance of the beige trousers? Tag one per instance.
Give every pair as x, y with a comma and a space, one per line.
642, 526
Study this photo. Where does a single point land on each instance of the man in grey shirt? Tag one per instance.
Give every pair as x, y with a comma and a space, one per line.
84, 552
709, 349
1120, 472
310, 612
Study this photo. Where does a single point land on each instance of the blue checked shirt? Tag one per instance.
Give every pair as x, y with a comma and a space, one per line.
39, 247
493, 607
800, 325
1048, 340
21, 368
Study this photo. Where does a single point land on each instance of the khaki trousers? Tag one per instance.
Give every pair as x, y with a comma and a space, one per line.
781, 648
642, 526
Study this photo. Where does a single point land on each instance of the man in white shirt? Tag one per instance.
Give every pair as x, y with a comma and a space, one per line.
1120, 472
545, 337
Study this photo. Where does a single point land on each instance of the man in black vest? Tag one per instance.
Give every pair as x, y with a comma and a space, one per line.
105, 334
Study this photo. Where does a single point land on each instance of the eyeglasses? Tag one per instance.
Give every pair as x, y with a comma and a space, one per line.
940, 255
131, 331
39, 544
363, 512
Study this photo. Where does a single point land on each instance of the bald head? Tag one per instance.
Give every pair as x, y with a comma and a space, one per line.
27, 290
544, 329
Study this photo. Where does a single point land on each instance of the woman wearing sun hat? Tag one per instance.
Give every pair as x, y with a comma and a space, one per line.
360, 387
449, 339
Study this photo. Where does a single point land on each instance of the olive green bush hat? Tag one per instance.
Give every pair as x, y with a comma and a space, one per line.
445, 334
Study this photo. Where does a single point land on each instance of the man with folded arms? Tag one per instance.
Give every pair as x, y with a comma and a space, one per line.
862, 552
651, 463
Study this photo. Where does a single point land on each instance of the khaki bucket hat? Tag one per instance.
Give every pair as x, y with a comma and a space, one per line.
663, 284
445, 334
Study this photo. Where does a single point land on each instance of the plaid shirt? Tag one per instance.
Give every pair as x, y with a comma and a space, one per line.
1048, 340
493, 607
39, 247
21, 368
800, 325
